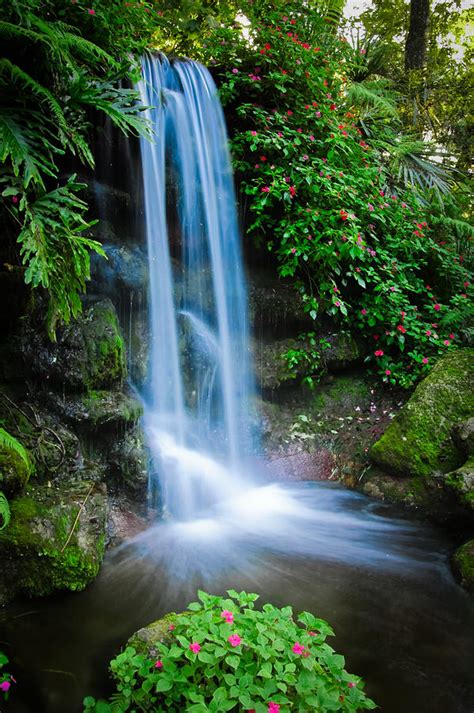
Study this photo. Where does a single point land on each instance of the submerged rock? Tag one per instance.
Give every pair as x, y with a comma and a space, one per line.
89, 353
55, 540
418, 441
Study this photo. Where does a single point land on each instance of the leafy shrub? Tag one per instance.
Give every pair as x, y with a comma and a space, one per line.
334, 189
6, 679
225, 655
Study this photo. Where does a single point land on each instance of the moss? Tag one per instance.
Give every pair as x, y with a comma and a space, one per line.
461, 482
418, 441
157, 632
38, 551
463, 565
106, 360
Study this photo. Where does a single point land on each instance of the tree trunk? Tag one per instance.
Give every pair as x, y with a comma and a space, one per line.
415, 46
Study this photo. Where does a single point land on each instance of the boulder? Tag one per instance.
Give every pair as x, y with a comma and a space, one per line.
461, 483
128, 461
463, 565
55, 539
275, 305
89, 352
418, 441
126, 268
97, 409
463, 436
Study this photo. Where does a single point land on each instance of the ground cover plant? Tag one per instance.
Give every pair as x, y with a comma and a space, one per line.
223, 654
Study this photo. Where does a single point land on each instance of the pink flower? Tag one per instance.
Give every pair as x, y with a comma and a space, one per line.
451, 336
14, 199
351, 684
273, 708
293, 250
265, 189
298, 648
292, 191
158, 664
228, 616
253, 133
337, 303
363, 311
318, 114
5, 686
378, 352
311, 138
235, 70
437, 307
446, 342
313, 633
91, 12
234, 640
370, 206
387, 372
424, 360
428, 332
171, 627
195, 648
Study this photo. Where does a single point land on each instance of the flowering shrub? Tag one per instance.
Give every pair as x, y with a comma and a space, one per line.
359, 245
6, 679
224, 655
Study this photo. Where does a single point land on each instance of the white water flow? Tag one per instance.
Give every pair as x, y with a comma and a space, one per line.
198, 403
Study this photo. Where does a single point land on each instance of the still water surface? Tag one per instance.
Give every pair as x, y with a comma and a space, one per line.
381, 580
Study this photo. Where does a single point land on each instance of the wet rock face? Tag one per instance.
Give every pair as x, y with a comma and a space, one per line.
418, 442
55, 539
463, 565
89, 352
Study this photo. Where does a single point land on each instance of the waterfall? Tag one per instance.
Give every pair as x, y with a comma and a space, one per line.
199, 393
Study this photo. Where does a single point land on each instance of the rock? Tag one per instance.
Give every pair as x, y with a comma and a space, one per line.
463, 565
126, 268
97, 409
303, 466
89, 352
16, 465
144, 640
340, 351
271, 368
128, 461
276, 306
461, 483
55, 540
418, 443
463, 436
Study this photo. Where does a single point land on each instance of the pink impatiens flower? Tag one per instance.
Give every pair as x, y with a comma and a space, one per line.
351, 684
228, 616
5, 686
158, 664
235, 70
437, 307
378, 352
195, 648
265, 189
273, 708
363, 311
424, 360
234, 640
298, 648
91, 12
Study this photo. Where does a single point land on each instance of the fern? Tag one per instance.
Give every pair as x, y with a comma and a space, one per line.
375, 95
5, 514
10, 443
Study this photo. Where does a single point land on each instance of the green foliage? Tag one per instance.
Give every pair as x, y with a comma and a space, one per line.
334, 189
5, 514
59, 64
10, 443
224, 655
6, 679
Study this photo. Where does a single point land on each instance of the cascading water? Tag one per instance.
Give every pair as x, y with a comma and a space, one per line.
198, 400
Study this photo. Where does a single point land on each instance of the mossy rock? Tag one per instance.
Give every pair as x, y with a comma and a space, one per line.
342, 351
144, 640
55, 540
463, 565
89, 352
463, 436
461, 483
16, 465
97, 409
418, 441
128, 463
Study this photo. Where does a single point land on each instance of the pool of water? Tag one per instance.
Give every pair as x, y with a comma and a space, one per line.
381, 579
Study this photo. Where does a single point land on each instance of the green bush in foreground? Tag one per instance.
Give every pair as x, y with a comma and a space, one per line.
224, 655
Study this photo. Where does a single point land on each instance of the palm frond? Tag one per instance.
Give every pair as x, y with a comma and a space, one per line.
374, 96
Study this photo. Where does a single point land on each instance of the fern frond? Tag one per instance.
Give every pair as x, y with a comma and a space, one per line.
5, 514
23, 142
374, 95
10, 443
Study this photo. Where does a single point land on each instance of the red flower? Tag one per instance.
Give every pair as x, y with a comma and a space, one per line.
437, 307
332, 107
378, 353
292, 190
344, 215
401, 328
